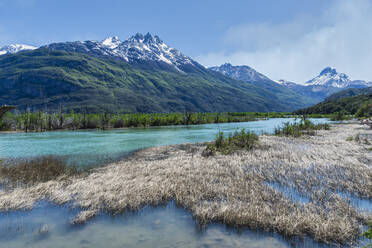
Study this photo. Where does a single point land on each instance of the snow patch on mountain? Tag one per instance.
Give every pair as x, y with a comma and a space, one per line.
15, 48
244, 73
149, 47
111, 42
284, 82
138, 47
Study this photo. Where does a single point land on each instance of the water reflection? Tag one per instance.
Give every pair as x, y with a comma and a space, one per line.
166, 226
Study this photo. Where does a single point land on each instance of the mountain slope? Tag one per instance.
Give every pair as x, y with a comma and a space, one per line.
349, 100
47, 79
349, 93
249, 75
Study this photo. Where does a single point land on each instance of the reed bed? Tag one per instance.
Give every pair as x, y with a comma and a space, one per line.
26, 172
231, 189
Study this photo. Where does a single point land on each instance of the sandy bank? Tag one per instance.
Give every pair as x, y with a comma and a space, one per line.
231, 189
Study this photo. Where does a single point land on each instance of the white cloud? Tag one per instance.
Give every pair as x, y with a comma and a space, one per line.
297, 50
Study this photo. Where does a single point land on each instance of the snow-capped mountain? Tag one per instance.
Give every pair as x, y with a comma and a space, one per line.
15, 48
328, 82
138, 47
251, 76
329, 77
243, 73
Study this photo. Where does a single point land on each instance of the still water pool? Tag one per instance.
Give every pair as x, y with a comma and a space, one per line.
164, 226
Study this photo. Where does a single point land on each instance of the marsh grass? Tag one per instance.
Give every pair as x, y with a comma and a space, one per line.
358, 138
231, 189
234, 142
297, 129
35, 170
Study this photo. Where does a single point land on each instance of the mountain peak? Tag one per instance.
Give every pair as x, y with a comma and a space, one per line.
328, 70
329, 77
226, 65
111, 42
137, 37
148, 38
146, 47
243, 73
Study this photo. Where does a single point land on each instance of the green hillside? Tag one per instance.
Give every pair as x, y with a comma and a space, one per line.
349, 93
353, 101
49, 80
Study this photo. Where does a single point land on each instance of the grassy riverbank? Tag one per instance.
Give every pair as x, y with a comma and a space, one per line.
234, 189
40, 121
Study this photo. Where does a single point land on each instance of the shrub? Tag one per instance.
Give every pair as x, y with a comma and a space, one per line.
340, 116
238, 141
297, 129
365, 110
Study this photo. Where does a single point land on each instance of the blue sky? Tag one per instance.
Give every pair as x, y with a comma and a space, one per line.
290, 39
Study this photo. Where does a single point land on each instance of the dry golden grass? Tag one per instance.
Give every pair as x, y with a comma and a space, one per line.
231, 189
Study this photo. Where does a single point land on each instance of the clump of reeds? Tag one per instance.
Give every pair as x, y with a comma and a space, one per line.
297, 129
35, 170
234, 142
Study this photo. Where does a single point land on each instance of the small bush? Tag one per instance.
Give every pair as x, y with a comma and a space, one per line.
297, 129
238, 141
365, 110
340, 116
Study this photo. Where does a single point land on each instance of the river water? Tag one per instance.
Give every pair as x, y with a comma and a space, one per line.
95, 147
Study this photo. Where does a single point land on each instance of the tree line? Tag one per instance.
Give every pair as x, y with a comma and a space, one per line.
42, 121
